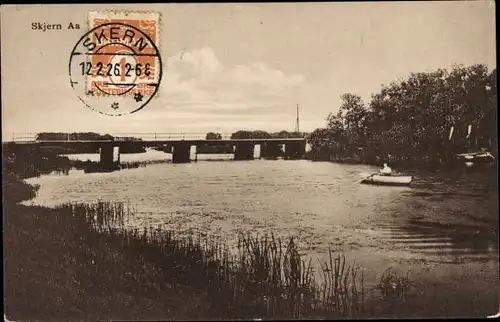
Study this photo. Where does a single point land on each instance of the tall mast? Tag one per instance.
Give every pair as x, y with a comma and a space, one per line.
297, 128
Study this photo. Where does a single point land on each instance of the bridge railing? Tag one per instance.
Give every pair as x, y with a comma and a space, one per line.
155, 136
30, 137
164, 136
23, 137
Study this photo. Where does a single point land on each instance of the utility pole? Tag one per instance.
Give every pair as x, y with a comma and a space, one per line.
297, 128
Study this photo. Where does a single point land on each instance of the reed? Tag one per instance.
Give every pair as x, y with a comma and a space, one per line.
263, 277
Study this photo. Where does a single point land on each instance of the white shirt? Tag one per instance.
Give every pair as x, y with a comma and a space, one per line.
386, 170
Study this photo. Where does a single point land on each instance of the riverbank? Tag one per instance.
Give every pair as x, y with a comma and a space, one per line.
409, 164
87, 267
148, 273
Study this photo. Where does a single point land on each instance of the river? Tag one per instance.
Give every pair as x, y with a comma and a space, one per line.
443, 229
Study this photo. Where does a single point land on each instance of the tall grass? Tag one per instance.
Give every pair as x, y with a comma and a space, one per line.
88, 248
263, 277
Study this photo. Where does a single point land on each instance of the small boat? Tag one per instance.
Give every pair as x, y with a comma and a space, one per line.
393, 180
482, 157
476, 160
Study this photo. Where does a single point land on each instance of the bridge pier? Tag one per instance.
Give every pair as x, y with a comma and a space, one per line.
106, 158
269, 150
194, 150
168, 148
295, 150
244, 151
181, 153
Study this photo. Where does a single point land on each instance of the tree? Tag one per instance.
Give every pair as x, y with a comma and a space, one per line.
260, 135
283, 134
213, 136
411, 118
319, 140
241, 135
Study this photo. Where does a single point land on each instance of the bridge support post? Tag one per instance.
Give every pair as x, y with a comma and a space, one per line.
295, 150
244, 151
106, 158
181, 153
168, 148
269, 150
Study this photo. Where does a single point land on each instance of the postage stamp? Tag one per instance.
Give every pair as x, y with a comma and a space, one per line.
116, 68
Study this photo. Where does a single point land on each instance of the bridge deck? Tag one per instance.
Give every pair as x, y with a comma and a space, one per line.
152, 142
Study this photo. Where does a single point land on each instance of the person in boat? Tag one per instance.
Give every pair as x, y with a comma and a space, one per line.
385, 171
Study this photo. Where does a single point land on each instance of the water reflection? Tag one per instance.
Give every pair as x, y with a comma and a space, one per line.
57, 172
442, 243
451, 217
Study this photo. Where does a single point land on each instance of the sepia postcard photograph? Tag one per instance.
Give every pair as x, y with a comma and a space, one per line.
250, 161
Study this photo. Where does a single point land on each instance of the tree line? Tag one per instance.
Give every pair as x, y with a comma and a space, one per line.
427, 117
85, 136
258, 134
88, 136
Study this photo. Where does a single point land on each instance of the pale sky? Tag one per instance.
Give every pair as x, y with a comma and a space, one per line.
241, 66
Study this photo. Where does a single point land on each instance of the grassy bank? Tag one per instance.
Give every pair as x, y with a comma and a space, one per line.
77, 261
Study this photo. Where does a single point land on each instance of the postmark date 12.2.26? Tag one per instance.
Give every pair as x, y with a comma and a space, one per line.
115, 68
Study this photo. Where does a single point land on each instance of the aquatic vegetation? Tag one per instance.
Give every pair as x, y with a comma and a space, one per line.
265, 277
137, 164
394, 285
91, 261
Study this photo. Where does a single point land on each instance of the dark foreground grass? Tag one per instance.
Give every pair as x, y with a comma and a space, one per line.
78, 262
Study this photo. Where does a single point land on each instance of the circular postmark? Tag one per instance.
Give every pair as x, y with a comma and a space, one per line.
115, 68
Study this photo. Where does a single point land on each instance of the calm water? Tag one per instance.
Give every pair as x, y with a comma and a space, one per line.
447, 225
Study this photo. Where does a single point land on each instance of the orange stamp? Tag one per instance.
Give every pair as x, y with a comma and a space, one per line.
116, 67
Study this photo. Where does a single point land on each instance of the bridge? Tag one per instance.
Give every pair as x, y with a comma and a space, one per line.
178, 144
